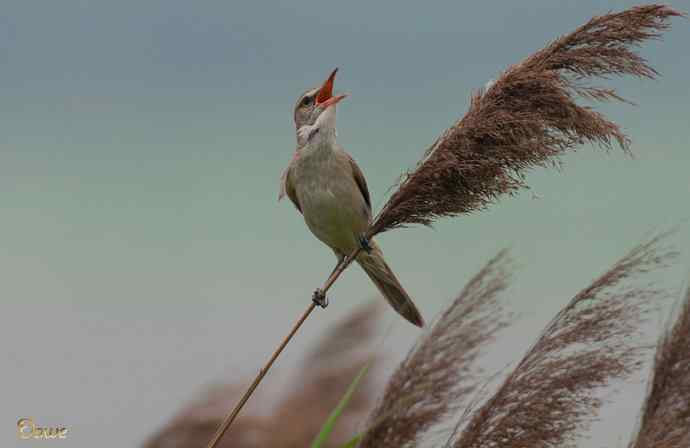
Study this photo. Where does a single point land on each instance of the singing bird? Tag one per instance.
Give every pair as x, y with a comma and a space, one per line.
328, 188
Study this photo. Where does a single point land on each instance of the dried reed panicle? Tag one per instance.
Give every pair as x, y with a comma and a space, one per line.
527, 118
439, 373
295, 420
552, 391
666, 416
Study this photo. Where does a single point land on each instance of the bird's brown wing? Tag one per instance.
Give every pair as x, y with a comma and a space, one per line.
288, 188
361, 181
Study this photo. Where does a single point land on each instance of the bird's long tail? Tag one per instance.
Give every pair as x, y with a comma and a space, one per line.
381, 274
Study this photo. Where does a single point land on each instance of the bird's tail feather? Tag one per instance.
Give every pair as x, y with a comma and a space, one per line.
381, 274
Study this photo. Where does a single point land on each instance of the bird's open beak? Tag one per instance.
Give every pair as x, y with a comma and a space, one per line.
326, 90
332, 100
325, 98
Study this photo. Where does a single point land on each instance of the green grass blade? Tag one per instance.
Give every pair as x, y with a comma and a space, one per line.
329, 425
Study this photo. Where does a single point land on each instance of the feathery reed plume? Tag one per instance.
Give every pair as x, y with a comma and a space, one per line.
552, 391
666, 415
295, 419
527, 118
440, 373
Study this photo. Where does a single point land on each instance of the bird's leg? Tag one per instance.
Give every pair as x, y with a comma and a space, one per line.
320, 298
364, 243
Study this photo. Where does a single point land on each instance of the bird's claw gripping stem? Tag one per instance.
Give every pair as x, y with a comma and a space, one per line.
364, 244
320, 298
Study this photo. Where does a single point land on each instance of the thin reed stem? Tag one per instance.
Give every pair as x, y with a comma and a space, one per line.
340, 268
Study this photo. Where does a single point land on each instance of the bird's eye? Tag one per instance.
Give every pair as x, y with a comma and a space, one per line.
307, 101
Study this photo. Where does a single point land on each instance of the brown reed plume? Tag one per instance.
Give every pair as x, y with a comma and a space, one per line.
553, 390
527, 118
666, 414
291, 421
439, 373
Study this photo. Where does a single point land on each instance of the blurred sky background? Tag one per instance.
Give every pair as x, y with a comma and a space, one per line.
143, 254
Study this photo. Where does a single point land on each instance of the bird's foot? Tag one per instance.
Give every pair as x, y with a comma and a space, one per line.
365, 244
319, 298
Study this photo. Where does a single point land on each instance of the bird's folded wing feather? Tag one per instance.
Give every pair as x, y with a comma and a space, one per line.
287, 187
359, 179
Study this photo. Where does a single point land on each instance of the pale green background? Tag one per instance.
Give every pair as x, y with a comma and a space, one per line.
142, 250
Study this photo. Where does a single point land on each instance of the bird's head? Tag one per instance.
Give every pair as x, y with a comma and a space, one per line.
315, 109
